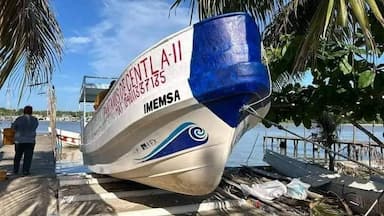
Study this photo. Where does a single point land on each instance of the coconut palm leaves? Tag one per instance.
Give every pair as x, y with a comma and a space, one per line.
315, 18
261, 10
30, 39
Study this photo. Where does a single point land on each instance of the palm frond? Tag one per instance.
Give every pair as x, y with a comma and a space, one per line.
313, 20
262, 11
376, 11
30, 37
359, 11
291, 19
310, 44
342, 15
328, 15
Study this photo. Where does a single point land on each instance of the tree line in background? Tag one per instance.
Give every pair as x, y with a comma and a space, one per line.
13, 112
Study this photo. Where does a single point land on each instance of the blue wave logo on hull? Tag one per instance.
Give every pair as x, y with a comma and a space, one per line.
185, 136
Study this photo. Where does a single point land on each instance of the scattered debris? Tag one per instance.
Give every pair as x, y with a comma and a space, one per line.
313, 204
297, 189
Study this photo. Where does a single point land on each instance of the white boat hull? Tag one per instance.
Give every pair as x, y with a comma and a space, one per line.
67, 138
178, 135
194, 171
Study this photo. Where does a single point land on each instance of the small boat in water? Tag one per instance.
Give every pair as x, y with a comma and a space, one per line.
173, 116
67, 138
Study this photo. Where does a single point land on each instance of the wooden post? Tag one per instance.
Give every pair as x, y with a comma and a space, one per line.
349, 150
382, 155
283, 146
264, 144
313, 153
334, 149
305, 150
295, 148
305, 147
361, 153
325, 155
318, 153
369, 147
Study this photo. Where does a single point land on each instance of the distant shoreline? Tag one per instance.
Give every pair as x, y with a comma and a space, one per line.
65, 119
343, 124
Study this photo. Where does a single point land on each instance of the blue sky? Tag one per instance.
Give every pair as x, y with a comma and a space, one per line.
101, 38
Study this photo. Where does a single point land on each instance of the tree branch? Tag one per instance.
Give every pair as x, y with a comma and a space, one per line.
368, 133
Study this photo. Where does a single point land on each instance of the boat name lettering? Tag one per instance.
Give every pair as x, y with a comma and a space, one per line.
145, 74
161, 101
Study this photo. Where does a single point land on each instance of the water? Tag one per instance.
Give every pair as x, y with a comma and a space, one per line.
43, 126
253, 139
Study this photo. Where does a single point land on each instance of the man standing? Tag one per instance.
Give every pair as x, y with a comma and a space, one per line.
25, 138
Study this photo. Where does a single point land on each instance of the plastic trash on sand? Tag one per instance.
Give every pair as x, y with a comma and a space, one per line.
266, 191
297, 189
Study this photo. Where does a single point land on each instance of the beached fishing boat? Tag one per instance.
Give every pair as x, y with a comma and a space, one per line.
307, 172
360, 194
173, 116
67, 138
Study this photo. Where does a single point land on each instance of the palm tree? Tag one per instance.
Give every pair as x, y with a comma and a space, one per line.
313, 19
328, 124
304, 24
30, 42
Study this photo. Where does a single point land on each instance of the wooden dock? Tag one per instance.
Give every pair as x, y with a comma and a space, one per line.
364, 151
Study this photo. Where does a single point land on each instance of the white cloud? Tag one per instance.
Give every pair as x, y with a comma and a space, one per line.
128, 28
78, 40
75, 44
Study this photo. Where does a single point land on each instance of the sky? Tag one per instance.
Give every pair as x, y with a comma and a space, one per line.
101, 38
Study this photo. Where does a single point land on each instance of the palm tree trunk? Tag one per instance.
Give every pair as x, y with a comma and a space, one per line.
331, 165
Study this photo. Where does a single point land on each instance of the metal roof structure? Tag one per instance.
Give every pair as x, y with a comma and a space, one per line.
89, 90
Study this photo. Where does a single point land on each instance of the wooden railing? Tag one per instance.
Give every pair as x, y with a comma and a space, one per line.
298, 148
